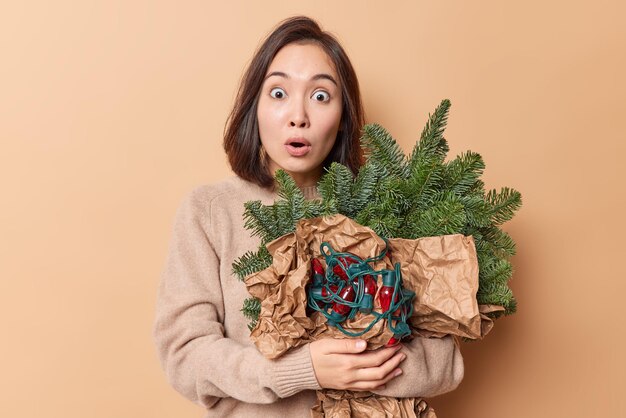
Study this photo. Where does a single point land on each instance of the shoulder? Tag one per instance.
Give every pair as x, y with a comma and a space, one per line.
220, 205
230, 190
203, 195
218, 208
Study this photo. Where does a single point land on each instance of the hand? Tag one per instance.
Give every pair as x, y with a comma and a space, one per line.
343, 364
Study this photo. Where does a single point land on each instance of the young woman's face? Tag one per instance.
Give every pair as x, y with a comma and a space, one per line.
299, 111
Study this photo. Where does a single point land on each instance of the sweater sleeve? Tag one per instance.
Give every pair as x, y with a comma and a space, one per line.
433, 366
201, 362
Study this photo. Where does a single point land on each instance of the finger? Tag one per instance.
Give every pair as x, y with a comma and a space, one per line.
344, 346
374, 384
381, 372
374, 358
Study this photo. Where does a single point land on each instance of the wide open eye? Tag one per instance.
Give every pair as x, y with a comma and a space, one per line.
321, 96
277, 93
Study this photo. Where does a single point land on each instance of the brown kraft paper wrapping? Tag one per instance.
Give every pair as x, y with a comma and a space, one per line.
442, 271
283, 322
342, 404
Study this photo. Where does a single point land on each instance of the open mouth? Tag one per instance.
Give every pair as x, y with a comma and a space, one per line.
298, 142
298, 147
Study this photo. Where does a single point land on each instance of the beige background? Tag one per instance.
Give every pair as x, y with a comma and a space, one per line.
111, 111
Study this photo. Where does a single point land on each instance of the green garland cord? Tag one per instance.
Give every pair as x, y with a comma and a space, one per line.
358, 270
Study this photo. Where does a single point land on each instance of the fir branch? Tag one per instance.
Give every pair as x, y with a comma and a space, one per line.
291, 193
252, 262
285, 218
291, 208
504, 204
497, 270
382, 149
462, 172
498, 241
336, 185
312, 209
432, 146
251, 310
391, 191
424, 183
364, 187
497, 294
443, 218
478, 189
329, 206
381, 218
477, 211
260, 220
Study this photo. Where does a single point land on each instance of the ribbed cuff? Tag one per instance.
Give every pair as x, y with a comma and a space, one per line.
293, 372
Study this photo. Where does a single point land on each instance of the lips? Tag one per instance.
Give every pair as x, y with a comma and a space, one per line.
297, 147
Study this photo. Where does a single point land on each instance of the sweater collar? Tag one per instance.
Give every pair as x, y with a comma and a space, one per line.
310, 192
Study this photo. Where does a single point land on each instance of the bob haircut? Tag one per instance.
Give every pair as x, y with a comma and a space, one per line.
242, 142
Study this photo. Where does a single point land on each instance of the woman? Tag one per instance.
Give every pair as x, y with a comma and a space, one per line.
299, 109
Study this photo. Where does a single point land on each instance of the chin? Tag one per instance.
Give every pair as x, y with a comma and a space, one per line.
299, 170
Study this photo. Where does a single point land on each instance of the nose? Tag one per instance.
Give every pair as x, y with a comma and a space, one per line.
298, 116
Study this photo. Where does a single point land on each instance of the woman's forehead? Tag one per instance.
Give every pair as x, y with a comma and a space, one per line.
302, 61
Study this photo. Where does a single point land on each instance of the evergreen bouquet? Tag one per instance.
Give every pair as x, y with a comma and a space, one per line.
371, 256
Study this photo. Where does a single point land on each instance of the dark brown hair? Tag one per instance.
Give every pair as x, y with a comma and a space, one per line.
241, 134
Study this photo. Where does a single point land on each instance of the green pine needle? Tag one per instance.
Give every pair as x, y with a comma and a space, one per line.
498, 241
443, 218
364, 187
477, 211
336, 185
504, 204
251, 310
497, 294
462, 172
260, 220
498, 271
382, 149
252, 262
432, 146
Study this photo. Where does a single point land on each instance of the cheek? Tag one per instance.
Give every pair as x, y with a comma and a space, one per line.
266, 118
330, 124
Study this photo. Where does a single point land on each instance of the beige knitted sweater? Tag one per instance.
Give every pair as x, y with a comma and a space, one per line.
202, 338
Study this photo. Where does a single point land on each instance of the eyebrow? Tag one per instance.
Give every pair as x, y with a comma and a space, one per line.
321, 76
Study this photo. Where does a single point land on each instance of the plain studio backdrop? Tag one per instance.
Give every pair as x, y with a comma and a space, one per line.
111, 111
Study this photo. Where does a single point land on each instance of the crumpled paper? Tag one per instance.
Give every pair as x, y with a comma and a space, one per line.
342, 404
486, 323
442, 271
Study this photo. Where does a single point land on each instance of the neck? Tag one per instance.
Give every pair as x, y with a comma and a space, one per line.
303, 180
